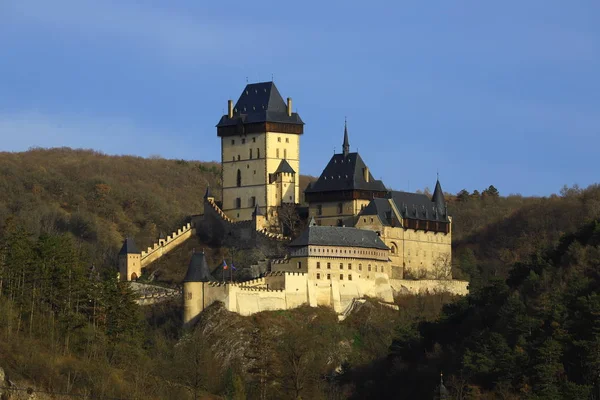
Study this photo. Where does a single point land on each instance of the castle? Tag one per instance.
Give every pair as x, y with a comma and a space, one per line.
362, 239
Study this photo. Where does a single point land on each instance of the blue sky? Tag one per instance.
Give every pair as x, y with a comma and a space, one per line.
504, 93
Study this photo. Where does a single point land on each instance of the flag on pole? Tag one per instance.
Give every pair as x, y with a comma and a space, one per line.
225, 264
232, 267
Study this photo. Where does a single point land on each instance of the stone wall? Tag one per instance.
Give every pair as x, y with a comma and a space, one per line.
405, 286
163, 246
216, 228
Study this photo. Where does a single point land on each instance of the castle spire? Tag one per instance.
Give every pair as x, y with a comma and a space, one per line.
346, 145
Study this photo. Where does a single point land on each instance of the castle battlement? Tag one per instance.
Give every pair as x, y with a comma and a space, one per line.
259, 289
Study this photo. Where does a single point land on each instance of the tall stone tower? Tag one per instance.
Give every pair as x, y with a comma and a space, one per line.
260, 153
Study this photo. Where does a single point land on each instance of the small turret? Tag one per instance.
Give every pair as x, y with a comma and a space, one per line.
130, 265
208, 195
438, 196
258, 217
198, 274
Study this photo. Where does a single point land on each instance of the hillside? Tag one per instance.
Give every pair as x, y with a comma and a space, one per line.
535, 335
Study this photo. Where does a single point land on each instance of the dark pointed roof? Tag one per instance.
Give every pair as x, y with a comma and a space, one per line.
339, 236
345, 172
208, 192
198, 270
129, 247
257, 211
285, 166
438, 195
260, 102
346, 144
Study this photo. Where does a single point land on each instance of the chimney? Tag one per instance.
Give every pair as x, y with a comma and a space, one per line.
289, 107
230, 108
366, 173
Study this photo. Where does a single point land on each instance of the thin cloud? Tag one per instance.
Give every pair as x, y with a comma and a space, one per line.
170, 34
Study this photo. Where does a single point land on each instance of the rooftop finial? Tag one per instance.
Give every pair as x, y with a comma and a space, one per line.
346, 145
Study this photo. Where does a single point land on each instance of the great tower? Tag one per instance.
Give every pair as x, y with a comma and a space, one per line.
260, 153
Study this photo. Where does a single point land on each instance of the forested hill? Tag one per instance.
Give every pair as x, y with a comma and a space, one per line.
535, 335
101, 198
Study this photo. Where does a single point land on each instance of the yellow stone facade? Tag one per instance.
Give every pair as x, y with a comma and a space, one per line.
336, 213
249, 162
413, 253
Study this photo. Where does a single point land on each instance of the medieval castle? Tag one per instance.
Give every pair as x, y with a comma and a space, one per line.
361, 239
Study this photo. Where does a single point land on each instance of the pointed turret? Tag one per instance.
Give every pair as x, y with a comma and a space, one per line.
257, 211
208, 193
198, 270
346, 144
438, 196
129, 247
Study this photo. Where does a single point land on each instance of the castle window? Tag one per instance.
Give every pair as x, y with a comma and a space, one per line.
279, 139
285, 153
349, 277
341, 266
328, 265
239, 178
328, 276
188, 295
238, 157
233, 159
232, 141
254, 172
369, 267
287, 140
238, 202
253, 140
251, 154
341, 277
253, 201
243, 141
340, 208
299, 264
318, 276
276, 153
360, 267
318, 265
349, 266
257, 153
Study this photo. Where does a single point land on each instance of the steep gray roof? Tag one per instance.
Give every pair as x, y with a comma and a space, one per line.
129, 247
198, 270
438, 195
339, 236
208, 192
345, 173
257, 211
260, 102
409, 205
285, 166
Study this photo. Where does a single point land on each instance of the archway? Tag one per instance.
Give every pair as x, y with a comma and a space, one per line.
134, 276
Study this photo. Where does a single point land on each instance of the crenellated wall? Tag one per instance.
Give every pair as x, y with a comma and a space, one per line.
163, 246
215, 227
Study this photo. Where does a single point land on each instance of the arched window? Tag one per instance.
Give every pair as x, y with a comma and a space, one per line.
239, 178
394, 248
